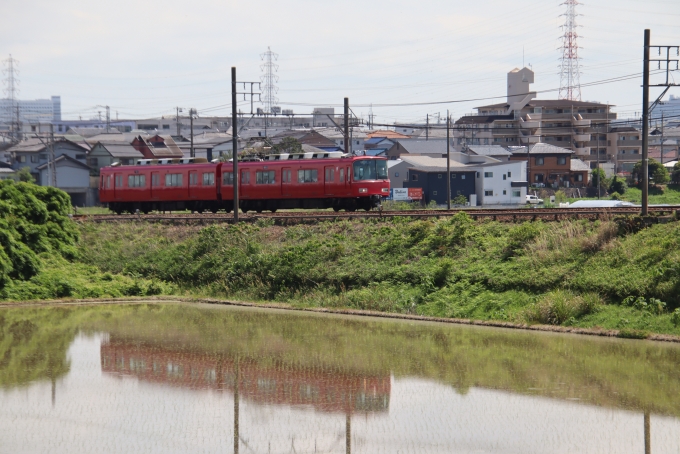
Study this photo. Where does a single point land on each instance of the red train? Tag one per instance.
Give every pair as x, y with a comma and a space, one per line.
305, 180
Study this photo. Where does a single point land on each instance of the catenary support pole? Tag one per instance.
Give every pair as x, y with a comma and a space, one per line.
448, 162
645, 127
597, 131
234, 142
346, 125
191, 121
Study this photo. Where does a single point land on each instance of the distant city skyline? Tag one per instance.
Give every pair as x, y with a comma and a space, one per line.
405, 59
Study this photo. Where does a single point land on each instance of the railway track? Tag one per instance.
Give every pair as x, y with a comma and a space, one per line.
307, 217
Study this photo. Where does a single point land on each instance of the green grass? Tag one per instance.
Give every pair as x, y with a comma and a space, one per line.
573, 273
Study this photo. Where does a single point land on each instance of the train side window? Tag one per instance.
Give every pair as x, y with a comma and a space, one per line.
136, 181
330, 175
307, 176
173, 179
228, 178
245, 177
342, 175
193, 179
119, 181
155, 179
265, 177
209, 179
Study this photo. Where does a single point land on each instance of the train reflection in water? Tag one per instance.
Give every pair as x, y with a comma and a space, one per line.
271, 384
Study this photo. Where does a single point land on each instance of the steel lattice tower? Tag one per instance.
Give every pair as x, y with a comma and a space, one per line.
11, 88
570, 72
269, 79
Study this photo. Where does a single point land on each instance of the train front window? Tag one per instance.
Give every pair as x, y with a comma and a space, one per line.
370, 169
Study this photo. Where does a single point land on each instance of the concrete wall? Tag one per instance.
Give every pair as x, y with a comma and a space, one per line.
500, 184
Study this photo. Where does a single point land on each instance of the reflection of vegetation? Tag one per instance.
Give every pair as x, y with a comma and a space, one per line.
613, 373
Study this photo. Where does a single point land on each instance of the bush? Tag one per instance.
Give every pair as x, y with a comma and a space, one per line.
618, 185
559, 306
615, 196
653, 305
675, 317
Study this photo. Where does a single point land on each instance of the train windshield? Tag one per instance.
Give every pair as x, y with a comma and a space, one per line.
370, 169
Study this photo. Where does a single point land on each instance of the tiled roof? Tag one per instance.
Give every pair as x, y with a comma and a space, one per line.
67, 159
579, 166
429, 164
422, 146
121, 150
542, 148
387, 134
489, 150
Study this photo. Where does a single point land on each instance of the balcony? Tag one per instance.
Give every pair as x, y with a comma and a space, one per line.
530, 139
580, 123
529, 123
629, 143
581, 137
582, 151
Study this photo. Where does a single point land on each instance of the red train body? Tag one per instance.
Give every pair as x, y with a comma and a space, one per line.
348, 183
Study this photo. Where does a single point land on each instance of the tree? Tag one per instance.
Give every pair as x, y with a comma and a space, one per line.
618, 185
24, 175
599, 175
675, 175
288, 145
657, 172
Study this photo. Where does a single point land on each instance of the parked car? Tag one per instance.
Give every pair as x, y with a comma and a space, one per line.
533, 200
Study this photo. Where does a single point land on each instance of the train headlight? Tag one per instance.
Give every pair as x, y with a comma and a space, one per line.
363, 190
385, 189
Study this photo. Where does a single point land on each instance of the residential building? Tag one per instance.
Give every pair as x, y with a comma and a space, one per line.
433, 148
7, 173
72, 177
397, 171
523, 121
430, 175
32, 153
307, 137
104, 154
501, 183
548, 165
357, 138
31, 111
624, 145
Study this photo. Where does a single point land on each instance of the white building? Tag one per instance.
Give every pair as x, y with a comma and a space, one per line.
501, 183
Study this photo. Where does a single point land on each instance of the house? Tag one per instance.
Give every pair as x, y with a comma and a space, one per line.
579, 171
34, 152
378, 142
501, 183
429, 174
7, 173
157, 147
106, 153
357, 138
548, 165
433, 148
72, 177
397, 170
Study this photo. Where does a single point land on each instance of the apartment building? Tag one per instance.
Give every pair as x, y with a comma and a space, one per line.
522, 120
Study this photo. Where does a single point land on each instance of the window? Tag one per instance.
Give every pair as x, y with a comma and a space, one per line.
82, 157
193, 179
462, 177
509, 174
34, 158
43, 157
439, 175
166, 126
119, 181
396, 174
228, 178
414, 177
155, 180
245, 177
92, 162
505, 192
504, 176
453, 176
136, 181
561, 161
342, 175
578, 177
209, 179
477, 173
21, 158
434, 192
634, 151
330, 175
173, 179
488, 174
538, 178
372, 169
516, 193
488, 193
307, 176
539, 161
286, 175
265, 177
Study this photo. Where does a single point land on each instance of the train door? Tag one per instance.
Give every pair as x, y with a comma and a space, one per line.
155, 185
118, 186
286, 180
329, 180
193, 184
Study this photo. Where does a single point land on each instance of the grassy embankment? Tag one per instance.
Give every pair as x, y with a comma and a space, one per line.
605, 274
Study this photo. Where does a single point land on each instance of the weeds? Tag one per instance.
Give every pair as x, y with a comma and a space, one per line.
560, 306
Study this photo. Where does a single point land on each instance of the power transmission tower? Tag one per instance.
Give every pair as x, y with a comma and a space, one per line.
570, 72
11, 82
269, 79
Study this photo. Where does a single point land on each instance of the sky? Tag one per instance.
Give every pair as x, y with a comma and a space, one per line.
407, 59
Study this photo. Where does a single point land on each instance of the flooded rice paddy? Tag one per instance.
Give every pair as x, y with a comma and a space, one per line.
198, 378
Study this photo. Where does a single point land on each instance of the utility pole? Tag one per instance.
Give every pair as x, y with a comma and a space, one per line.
52, 164
645, 126
346, 125
177, 120
192, 112
427, 127
448, 162
234, 141
661, 138
597, 131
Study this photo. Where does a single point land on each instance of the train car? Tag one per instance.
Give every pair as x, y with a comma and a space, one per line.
305, 180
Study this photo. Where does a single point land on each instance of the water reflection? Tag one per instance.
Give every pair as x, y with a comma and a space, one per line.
176, 378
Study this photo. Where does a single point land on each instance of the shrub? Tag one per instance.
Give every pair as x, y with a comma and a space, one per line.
559, 306
615, 196
675, 317
653, 305
618, 185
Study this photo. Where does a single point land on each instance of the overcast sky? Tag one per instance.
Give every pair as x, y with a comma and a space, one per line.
145, 57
